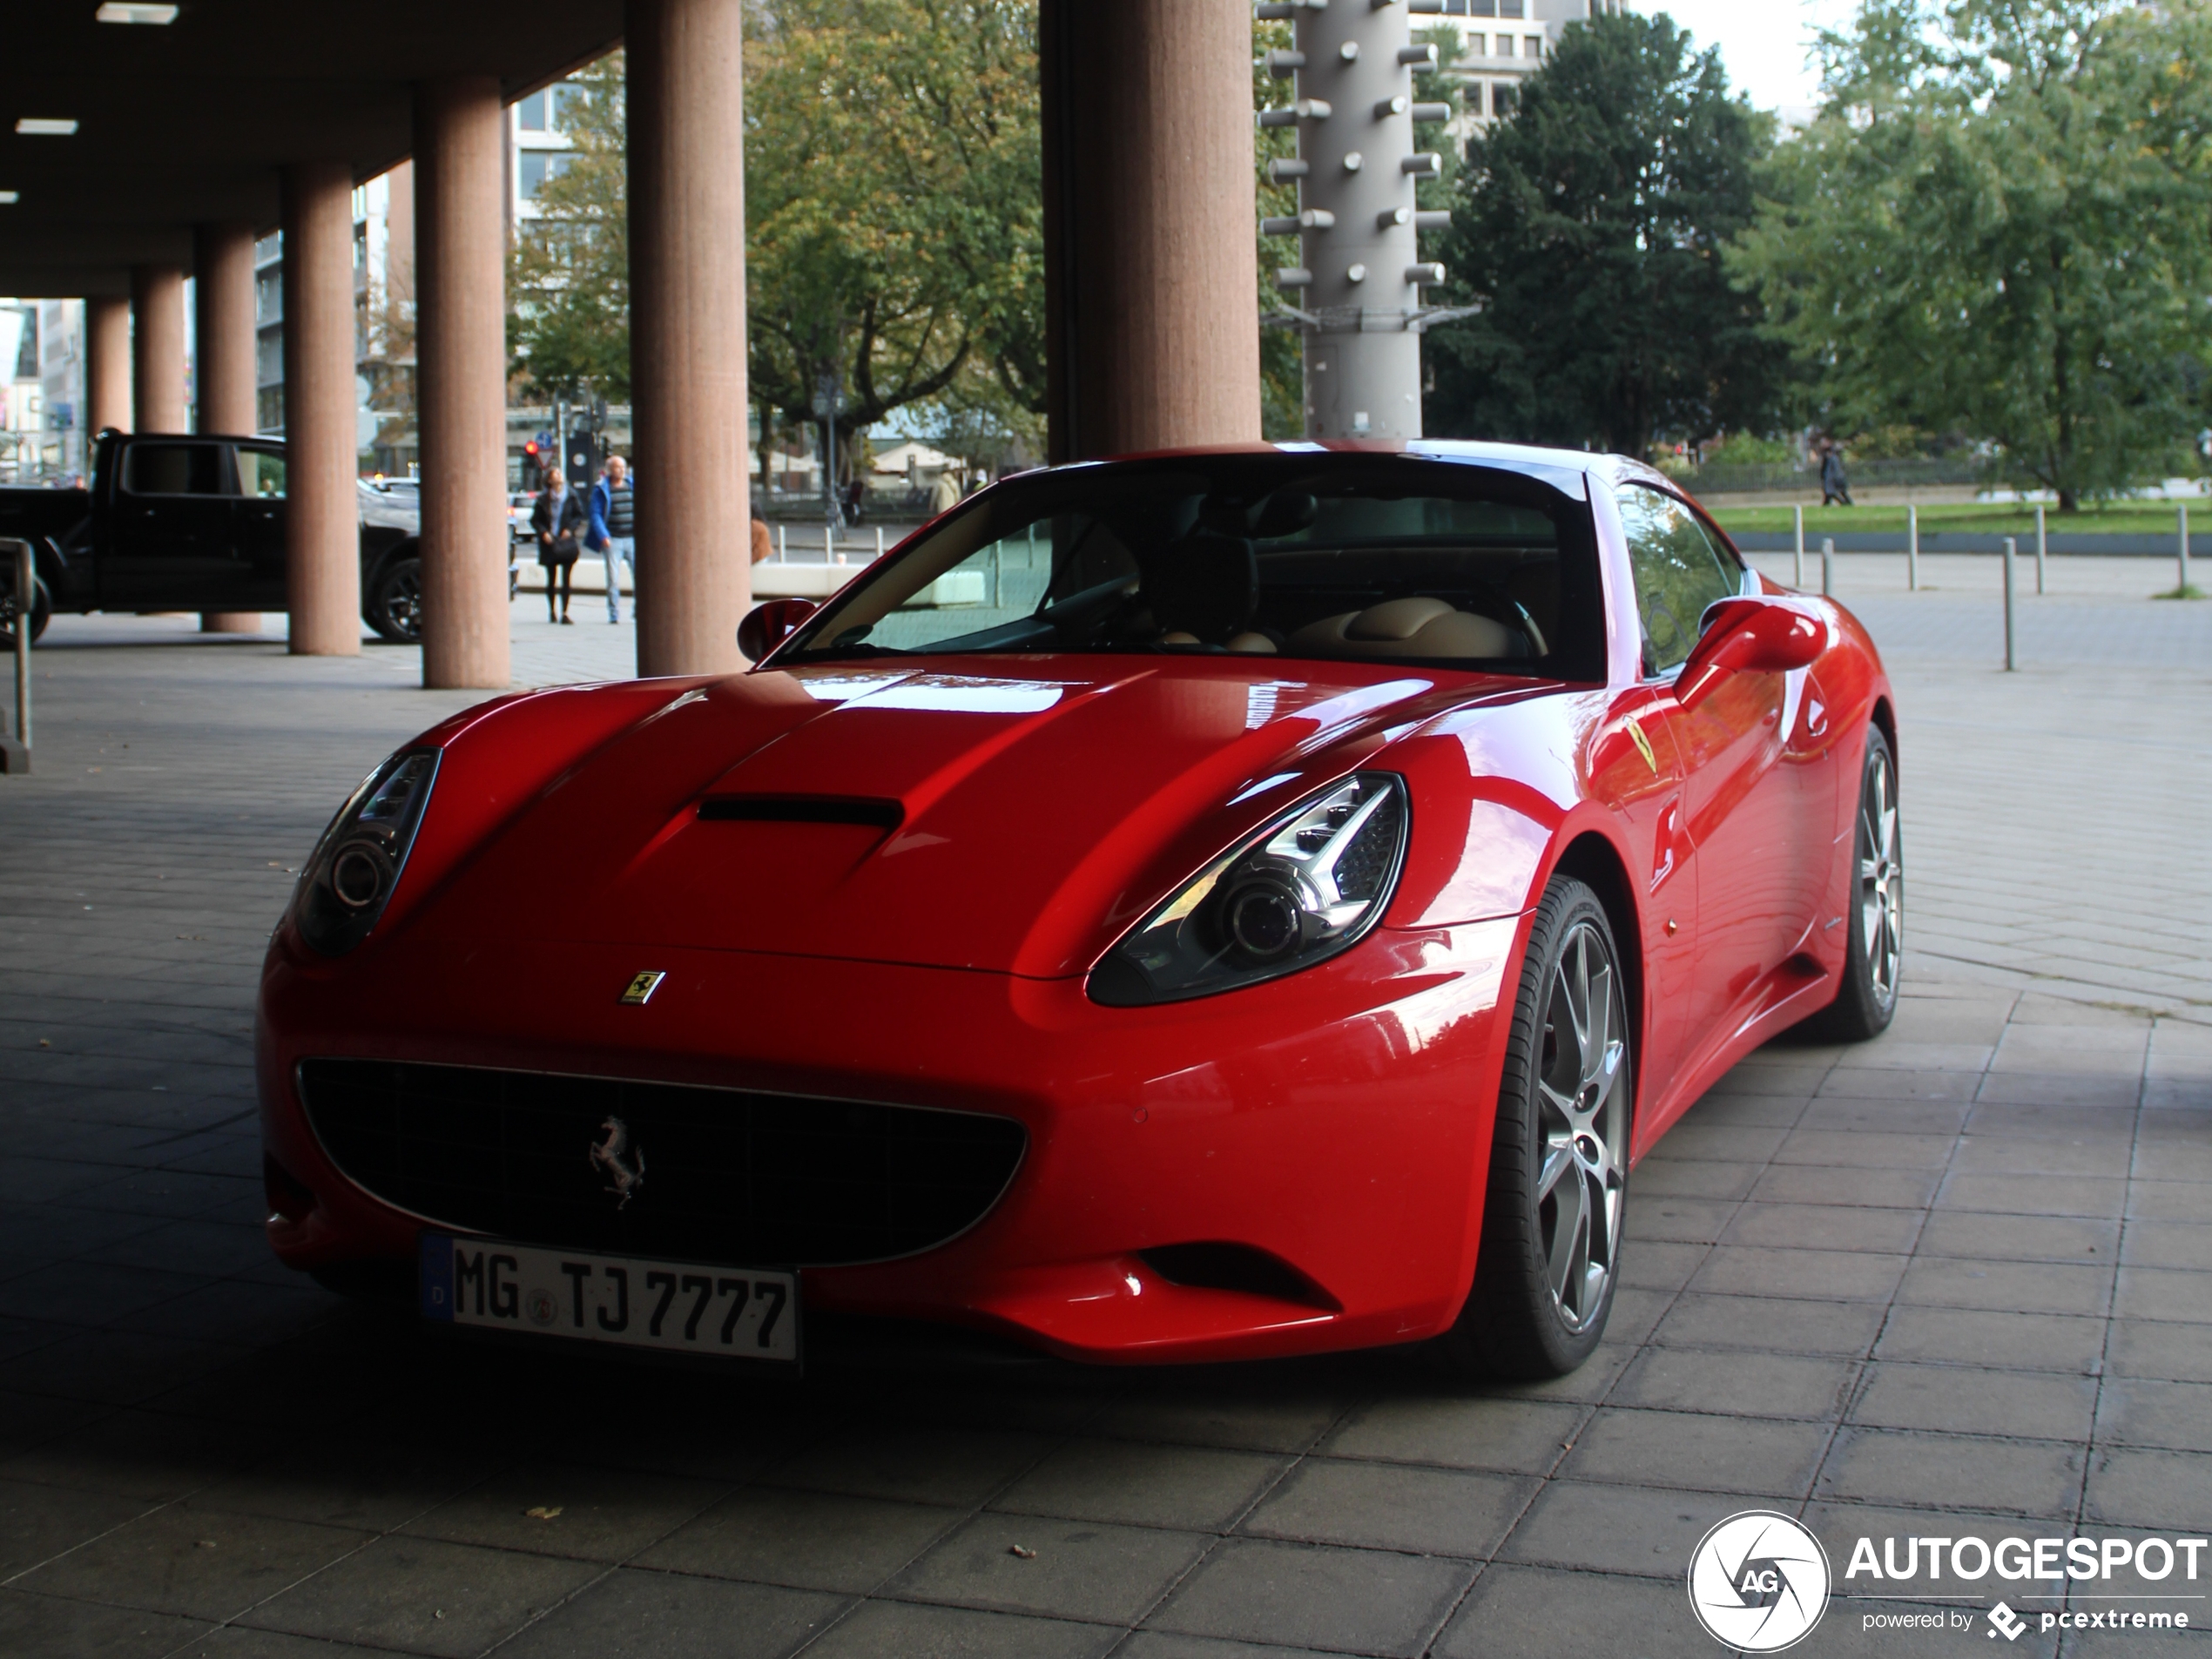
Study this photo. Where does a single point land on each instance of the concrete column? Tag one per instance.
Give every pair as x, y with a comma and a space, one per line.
107, 367
460, 355
687, 332
223, 358
322, 514
1150, 273
157, 348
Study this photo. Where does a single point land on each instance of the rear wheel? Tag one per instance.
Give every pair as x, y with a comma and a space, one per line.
1874, 958
1559, 1160
394, 607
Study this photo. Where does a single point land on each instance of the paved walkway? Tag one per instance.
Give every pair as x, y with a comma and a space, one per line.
1958, 1281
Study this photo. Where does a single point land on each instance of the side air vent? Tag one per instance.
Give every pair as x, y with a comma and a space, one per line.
803, 809
1236, 1267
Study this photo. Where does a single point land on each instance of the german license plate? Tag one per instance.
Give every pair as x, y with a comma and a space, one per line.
679, 1307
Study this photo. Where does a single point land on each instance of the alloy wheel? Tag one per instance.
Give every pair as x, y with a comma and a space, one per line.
1881, 880
1582, 1092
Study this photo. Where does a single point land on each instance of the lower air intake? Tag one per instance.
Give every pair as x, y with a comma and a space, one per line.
718, 1175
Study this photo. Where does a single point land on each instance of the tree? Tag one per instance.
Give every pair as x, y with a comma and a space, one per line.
567, 282
894, 212
1589, 227
1998, 223
893, 219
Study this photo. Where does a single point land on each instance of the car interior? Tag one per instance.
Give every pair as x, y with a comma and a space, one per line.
1399, 558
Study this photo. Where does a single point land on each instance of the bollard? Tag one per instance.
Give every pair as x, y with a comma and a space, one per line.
782, 555
2039, 548
2182, 512
878, 541
1913, 550
1798, 579
1827, 566
2010, 661
14, 754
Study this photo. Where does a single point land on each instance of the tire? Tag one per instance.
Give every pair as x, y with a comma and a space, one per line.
1874, 958
1550, 1251
394, 607
41, 611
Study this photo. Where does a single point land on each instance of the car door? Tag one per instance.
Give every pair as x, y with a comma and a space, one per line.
260, 522
1742, 831
172, 542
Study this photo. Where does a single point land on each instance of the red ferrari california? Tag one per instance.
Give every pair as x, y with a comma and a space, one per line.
1200, 907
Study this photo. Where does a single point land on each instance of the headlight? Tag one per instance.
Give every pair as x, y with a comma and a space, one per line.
350, 875
1309, 885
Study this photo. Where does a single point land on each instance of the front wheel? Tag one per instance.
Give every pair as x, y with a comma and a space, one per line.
394, 607
1559, 1158
1874, 956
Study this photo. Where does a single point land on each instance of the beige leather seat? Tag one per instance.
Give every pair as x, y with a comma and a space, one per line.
1415, 627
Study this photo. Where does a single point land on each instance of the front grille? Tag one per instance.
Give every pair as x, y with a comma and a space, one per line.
726, 1174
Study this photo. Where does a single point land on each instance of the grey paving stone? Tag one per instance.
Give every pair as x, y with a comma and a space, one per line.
1943, 1471
2020, 1238
1658, 1178
1263, 1420
1300, 1595
1688, 1221
1390, 1506
1652, 1266
424, 1596
2133, 1411
1537, 1610
1691, 1452
1161, 1644
1826, 1184
904, 1630
2014, 1341
1770, 1325
2160, 1293
2186, 1201
1642, 1531
809, 1540
44, 1627
1824, 1226
1074, 1569
2029, 1405
372, 1482
116, 1367
1752, 1385
2165, 1244
1522, 1436
2028, 1287
1852, 1082
2110, 1155
602, 1514
1863, 1150
140, 1455
194, 1562
667, 1615
2151, 1348
912, 1464
1824, 1275
2167, 1491
1142, 1484
37, 1522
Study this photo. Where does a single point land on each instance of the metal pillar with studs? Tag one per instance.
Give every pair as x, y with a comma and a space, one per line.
1355, 291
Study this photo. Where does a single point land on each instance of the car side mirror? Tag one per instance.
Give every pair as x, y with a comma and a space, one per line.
1748, 635
766, 626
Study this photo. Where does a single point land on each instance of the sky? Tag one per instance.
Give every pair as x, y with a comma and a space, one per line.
1765, 44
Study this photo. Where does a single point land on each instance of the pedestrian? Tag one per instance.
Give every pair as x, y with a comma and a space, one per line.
762, 544
855, 501
1835, 488
613, 535
559, 519
947, 493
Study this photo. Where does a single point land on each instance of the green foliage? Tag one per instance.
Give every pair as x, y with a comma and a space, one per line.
568, 280
1282, 358
1590, 227
1999, 225
894, 216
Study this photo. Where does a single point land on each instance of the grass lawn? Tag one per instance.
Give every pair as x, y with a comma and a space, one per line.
1994, 518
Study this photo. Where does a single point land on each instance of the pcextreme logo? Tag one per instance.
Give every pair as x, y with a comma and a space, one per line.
1758, 1581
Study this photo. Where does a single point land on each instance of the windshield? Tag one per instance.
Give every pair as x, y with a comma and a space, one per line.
1313, 556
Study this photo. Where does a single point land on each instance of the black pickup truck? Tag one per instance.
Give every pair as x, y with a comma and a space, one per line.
196, 523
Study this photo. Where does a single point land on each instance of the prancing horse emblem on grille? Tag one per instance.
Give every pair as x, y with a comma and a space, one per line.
641, 987
625, 1171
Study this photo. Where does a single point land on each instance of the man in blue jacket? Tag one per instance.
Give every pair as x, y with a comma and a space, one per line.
613, 535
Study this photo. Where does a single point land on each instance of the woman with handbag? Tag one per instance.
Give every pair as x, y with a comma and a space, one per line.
558, 518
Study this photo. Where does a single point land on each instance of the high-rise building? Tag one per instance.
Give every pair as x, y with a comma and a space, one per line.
1501, 42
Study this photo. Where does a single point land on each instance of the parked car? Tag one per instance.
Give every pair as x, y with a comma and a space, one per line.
1287, 891
192, 523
